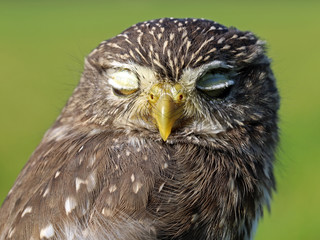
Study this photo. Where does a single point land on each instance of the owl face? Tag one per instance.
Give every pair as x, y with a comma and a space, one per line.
177, 79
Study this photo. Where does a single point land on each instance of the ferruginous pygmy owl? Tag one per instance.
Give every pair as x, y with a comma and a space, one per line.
170, 134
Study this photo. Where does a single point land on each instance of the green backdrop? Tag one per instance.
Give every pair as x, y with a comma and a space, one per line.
43, 43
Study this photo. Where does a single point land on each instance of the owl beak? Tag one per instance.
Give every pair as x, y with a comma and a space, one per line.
167, 108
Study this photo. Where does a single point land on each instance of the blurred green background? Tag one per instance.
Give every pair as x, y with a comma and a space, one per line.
43, 44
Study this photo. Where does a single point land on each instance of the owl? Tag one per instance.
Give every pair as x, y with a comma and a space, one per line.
171, 133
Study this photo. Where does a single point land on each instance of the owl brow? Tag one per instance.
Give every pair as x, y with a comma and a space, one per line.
216, 64
122, 66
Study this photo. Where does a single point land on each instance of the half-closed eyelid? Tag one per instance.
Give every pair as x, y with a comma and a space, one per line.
210, 79
215, 84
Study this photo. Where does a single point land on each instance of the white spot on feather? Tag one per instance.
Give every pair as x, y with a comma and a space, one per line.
47, 232
78, 183
46, 192
198, 59
221, 40
26, 210
92, 160
226, 47
114, 45
81, 159
241, 48
106, 211
94, 132
136, 187
112, 188
90, 182
184, 34
70, 204
11, 232
165, 44
206, 58
57, 174
161, 187
194, 218
80, 148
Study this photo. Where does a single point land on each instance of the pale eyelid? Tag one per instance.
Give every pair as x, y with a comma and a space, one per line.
213, 66
123, 79
220, 85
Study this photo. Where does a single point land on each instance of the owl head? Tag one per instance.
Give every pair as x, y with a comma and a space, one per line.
176, 80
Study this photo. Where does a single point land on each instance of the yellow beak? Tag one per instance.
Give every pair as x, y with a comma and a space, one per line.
167, 106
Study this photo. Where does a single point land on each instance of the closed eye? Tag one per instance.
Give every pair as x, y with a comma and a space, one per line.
123, 82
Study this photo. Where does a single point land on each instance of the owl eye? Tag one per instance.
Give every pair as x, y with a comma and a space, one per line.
123, 82
214, 85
